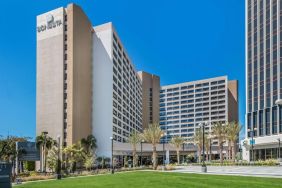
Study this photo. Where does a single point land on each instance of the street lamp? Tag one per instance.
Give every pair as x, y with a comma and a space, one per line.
278, 102
59, 176
278, 149
141, 156
112, 140
44, 147
163, 135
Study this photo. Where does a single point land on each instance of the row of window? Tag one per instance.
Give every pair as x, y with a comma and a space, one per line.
127, 95
265, 122
162, 95
196, 86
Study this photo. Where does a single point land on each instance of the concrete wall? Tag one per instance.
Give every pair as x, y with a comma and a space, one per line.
79, 73
150, 81
233, 101
49, 74
102, 89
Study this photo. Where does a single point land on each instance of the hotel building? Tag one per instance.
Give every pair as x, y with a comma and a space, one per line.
263, 79
64, 76
86, 83
184, 106
117, 90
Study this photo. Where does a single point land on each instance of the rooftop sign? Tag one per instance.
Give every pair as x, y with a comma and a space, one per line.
50, 23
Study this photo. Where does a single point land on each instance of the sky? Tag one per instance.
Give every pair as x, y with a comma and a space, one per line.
179, 40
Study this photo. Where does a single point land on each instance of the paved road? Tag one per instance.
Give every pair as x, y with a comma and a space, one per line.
235, 170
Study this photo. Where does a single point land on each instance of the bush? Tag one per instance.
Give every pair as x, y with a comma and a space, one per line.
190, 158
37, 177
29, 165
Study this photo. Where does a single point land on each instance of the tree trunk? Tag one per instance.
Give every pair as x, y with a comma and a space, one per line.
199, 154
155, 162
229, 150
234, 151
178, 157
45, 160
221, 153
134, 156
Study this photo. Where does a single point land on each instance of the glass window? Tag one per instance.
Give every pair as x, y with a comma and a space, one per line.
267, 121
274, 120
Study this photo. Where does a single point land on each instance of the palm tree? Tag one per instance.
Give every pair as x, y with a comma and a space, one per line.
233, 130
219, 131
177, 142
44, 143
74, 154
198, 140
152, 135
89, 144
134, 139
208, 139
52, 158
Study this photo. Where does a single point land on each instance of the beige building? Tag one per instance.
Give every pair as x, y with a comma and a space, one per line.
64, 76
150, 98
184, 106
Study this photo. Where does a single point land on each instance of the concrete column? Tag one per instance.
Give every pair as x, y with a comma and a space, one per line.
167, 157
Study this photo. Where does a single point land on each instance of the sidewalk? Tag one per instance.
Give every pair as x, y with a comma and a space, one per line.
265, 171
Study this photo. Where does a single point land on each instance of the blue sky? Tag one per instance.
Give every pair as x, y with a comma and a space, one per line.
179, 40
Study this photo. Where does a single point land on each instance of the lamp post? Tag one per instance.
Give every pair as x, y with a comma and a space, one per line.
278, 153
44, 147
141, 156
112, 142
278, 102
59, 176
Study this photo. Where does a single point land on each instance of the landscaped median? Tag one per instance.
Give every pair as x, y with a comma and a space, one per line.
143, 179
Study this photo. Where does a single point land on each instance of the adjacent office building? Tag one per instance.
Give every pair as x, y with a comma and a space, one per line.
184, 106
150, 98
86, 83
263, 78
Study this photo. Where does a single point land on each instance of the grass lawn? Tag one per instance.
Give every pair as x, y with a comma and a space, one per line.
158, 180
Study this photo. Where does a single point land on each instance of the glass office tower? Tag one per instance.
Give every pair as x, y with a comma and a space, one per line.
263, 78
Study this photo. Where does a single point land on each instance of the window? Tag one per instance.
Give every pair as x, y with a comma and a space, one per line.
267, 121
274, 120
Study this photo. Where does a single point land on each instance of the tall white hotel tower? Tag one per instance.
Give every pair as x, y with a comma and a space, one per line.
263, 79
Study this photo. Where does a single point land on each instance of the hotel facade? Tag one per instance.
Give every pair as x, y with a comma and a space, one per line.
86, 83
184, 106
263, 128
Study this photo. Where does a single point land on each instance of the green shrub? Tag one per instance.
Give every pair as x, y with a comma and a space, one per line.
29, 165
